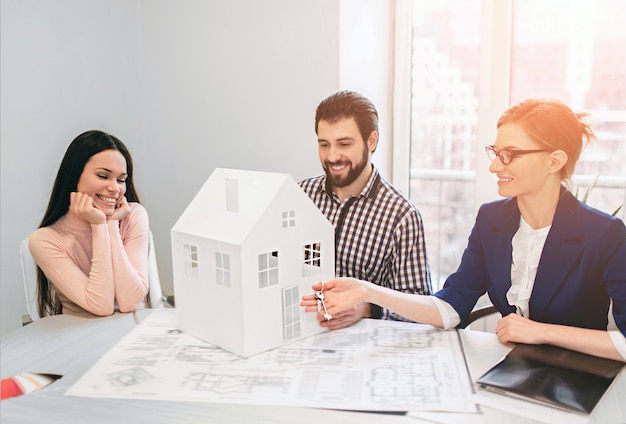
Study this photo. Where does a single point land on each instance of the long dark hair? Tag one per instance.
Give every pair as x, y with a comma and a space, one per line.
80, 150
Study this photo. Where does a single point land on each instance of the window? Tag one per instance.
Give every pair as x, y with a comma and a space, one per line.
586, 52
268, 269
470, 60
291, 313
444, 119
312, 260
191, 259
289, 219
222, 269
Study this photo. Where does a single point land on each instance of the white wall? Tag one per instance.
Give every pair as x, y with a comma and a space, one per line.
189, 86
365, 62
63, 70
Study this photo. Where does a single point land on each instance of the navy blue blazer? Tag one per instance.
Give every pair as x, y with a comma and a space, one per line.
582, 266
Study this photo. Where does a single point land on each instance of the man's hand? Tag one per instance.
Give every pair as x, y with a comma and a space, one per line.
345, 318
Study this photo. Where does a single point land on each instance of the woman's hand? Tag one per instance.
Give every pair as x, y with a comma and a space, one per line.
344, 298
82, 205
514, 328
121, 210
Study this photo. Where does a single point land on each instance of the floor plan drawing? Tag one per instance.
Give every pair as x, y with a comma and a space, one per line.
374, 365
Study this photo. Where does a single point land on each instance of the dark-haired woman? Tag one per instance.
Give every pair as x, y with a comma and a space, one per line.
91, 248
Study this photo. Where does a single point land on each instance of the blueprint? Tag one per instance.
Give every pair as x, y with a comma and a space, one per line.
374, 365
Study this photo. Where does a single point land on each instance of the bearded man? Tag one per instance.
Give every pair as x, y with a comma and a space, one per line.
379, 234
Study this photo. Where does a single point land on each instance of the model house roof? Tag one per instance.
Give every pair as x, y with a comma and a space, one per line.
232, 201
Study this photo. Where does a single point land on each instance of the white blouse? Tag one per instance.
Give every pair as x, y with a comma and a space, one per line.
527, 247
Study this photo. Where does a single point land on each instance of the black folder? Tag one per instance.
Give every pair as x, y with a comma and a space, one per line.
552, 375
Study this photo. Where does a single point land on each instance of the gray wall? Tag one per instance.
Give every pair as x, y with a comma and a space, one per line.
188, 85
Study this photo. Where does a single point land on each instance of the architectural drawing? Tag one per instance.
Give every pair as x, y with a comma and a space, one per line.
373, 365
245, 250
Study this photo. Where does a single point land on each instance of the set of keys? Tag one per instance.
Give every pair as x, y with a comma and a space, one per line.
321, 304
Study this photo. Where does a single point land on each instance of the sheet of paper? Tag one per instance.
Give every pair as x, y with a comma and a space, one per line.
374, 365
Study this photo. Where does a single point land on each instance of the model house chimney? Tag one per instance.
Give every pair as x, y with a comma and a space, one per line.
232, 194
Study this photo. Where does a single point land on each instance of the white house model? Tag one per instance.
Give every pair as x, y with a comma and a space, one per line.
245, 250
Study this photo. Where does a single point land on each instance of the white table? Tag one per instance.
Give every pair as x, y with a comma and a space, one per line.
69, 345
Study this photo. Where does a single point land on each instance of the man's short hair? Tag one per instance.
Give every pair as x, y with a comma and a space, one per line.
348, 104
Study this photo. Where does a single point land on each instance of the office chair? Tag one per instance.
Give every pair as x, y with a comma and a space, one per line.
29, 279
155, 295
478, 313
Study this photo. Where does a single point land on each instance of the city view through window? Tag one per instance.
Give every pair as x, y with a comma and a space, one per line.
572, 50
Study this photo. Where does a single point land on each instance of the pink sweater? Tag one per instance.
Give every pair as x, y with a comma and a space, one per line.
96, 268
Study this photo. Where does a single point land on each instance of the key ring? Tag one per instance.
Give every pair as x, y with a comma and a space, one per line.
319, 295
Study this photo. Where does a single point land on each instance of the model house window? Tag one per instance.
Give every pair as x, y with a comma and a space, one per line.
191, 259
312, 259
222, 269
268, 269
289, 219
291, 313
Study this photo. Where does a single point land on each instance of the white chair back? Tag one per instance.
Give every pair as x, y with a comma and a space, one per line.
29, 279
155, 294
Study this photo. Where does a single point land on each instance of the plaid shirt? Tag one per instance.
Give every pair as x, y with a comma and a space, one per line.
379, 237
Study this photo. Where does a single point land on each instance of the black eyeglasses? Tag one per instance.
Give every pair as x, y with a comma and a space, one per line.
507, 156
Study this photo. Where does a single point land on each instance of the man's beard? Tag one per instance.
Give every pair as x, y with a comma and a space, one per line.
339, 181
